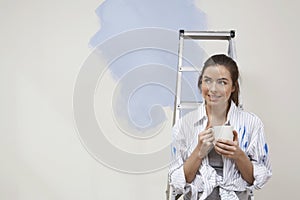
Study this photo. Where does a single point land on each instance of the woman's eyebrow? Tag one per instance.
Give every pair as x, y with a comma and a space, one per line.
223, 79
220, 79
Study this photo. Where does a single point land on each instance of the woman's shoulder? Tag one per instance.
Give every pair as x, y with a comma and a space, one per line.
190, 116
248, 116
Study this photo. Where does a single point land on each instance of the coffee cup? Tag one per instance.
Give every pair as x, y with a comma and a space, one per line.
223, 132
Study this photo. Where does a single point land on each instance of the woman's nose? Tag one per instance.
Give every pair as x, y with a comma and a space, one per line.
212, 86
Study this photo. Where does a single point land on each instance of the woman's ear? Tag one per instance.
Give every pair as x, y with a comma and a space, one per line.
233, 88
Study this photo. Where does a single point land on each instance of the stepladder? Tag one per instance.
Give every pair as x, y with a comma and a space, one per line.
180, 105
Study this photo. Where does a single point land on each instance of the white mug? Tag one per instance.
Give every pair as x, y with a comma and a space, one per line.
223, 132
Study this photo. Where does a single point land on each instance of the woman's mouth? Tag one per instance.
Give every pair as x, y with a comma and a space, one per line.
213, 97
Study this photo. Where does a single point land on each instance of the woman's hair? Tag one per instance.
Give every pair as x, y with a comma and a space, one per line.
231, 66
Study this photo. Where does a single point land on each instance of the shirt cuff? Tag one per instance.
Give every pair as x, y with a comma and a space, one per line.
261, 175
177, 180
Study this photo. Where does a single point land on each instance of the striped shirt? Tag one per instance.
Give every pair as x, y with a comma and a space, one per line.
251, 140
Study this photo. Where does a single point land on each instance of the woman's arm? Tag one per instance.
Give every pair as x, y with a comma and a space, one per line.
192, 164
245, 167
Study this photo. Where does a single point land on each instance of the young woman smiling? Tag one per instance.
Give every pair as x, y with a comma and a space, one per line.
205, 168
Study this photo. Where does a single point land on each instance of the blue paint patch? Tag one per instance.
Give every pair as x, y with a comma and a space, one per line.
244, 132
133, 50
264, 159
266, 148
246, 145
243, 139
174, 150
243, 135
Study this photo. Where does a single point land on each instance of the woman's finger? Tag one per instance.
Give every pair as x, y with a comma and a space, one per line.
235, 136
225, 146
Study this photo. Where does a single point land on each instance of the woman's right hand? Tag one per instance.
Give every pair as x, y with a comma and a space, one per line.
205, 142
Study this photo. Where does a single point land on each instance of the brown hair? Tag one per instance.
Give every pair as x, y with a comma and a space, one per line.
231, 66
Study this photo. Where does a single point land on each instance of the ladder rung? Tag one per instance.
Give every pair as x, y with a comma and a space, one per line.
188, 69
208, 35
188, 105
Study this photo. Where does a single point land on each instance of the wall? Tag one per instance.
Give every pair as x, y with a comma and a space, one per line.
43, 45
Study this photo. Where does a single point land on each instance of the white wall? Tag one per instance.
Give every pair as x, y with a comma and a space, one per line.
44, 43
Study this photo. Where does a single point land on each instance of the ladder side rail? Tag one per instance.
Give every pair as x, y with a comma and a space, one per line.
170, 192
233, 55
179, 77
231, 49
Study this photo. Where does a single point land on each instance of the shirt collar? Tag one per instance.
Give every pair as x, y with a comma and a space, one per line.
233, 108
202, 115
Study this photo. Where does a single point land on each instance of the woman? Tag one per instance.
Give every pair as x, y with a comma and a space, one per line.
205, 168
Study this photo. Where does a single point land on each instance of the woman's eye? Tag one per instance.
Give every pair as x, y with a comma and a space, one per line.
207, 80
222, 82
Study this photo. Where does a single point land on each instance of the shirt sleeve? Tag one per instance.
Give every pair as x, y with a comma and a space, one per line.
178, 150
259, 156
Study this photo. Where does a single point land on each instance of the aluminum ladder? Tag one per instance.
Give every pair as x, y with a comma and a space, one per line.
180, 105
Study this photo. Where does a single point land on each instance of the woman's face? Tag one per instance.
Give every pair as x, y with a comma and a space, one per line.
216, 85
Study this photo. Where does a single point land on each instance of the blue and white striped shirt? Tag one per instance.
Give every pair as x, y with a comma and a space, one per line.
251, 140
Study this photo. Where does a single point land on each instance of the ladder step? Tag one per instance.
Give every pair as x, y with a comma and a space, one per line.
188, 105
208, 35
188, 69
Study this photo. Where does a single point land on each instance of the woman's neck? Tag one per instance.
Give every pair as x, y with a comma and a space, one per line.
216, 114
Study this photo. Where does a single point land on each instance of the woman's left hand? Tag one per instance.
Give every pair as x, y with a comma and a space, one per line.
227, 148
